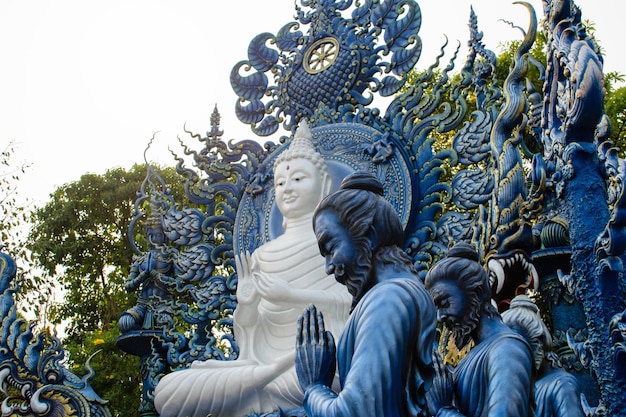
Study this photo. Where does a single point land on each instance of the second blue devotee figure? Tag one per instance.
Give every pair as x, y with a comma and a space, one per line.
494, 379
384, 353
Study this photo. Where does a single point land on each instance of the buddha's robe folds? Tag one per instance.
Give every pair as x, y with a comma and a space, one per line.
264, 374
383, 355
494, 379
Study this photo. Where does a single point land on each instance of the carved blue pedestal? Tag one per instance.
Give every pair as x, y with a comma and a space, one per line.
140, 343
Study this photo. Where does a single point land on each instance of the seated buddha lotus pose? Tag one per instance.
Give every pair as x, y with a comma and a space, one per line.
276, 283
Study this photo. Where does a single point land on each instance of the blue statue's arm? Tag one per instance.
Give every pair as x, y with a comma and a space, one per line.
315, 350
509, 379
370, 358
568, 402
136, 276
440, 395
448, 411
558, 393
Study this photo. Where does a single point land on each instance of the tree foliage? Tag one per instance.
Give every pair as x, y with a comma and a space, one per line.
537, 60
117, 376
13, 209
615, 99
14, 227
80, 240
615, 109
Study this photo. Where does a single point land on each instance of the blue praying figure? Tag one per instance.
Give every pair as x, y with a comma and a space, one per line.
384, 353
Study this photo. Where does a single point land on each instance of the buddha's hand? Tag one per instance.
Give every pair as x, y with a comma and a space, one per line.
245, 283
441, 392
275, 289
315, 350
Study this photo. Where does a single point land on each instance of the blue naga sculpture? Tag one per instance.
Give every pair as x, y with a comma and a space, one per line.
33, 377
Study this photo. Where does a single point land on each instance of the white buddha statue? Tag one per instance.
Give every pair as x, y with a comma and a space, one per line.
276, 282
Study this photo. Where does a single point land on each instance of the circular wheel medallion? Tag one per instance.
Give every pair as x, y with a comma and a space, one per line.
321, 55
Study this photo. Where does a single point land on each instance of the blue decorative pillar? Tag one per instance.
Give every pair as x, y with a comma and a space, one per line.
585, 206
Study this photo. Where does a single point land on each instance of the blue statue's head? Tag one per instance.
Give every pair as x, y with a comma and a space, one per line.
355, 228
523, 317
459, 286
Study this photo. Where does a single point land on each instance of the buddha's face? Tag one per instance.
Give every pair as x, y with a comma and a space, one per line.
298, 187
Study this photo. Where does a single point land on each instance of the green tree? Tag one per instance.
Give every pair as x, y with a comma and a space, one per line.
615, 109
117, 378
79, 239
537, 55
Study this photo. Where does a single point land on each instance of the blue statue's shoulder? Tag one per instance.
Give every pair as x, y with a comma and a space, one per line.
396, 290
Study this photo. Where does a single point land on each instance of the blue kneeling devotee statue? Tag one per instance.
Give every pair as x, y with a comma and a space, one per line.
384, 352
495, 377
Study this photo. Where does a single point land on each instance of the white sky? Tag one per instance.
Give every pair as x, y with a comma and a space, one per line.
85, 84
